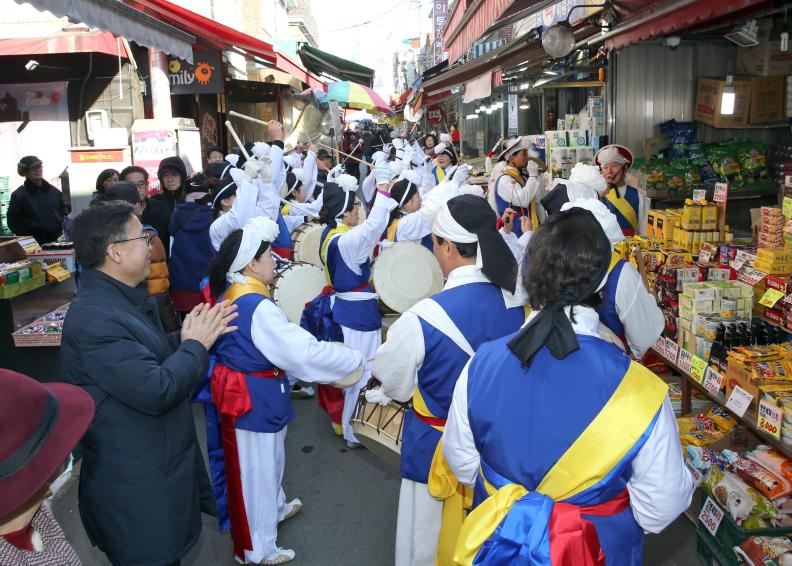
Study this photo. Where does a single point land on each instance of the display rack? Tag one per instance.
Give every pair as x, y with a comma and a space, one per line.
749, 418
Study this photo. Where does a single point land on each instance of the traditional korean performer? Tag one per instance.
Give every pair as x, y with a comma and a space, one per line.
626, 202
426, 349
608, 469
511, 188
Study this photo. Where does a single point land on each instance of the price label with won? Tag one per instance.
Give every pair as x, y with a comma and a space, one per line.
721, 192
685, 360
751, 276
739, 401
771, 297
786, 208
769, 418
713, 381
711, 516
698, 368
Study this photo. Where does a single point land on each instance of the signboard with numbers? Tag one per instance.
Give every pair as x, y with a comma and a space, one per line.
739, 401
721, 192
685, 360
769, 418
713, 381
698, 368
711, 516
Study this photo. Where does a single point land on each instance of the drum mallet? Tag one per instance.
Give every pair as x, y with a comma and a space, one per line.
344, 154
248, 118
298, 207
239, 143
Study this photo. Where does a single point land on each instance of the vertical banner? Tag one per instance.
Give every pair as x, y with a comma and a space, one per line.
513, 115
439, 14
151, 147
34, 120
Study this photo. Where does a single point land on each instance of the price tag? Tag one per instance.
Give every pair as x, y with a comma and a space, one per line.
721, 192
737, 262
699, 194
666, 348
769, 418
705, 256
787, 207
673, 350
711, 516
685, 360
713, 381
739, 401
698, 368
751, 276
771, 297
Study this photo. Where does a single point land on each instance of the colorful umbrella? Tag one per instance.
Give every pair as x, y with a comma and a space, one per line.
354, 95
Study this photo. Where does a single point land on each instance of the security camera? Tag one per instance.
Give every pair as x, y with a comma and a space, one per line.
672, 41
31, 65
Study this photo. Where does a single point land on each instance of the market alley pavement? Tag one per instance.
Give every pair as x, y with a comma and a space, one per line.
349, 515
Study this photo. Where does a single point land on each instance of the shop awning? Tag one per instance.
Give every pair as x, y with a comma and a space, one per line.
120, 19
65, 42
319, 62
677, 16
468, 21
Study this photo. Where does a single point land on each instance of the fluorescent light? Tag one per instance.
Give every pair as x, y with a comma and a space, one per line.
488, 110
499, 104
471, 116
551, 73
727, 97
525, 86
478, 110
482, 108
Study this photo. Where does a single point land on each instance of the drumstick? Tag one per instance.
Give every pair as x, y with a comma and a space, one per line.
248, 118
234, 135
353, 150
344, 154
298, 207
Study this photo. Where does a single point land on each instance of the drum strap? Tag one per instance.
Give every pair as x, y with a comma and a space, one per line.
433, 314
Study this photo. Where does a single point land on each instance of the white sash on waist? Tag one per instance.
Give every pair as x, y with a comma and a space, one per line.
432, 313
356, 295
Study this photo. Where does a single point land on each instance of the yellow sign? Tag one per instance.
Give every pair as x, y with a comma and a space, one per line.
698, 368
771, 297
787, 207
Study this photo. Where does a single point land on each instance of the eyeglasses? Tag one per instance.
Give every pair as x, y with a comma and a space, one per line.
148, 236
141, 184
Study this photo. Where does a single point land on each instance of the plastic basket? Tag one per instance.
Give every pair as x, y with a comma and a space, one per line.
730, 534
16, 289
34, 340
709, 555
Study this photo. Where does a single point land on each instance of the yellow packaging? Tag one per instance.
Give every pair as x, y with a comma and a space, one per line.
709, 216
691, 216
722, 418
772, 268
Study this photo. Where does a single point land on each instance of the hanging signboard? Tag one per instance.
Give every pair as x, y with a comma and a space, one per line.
203, 77
439, 15
435, 115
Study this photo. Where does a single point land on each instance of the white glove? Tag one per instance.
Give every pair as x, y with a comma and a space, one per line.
335, 171
237, 175
532, 168
461, 174
260, 149
409, 154
377, 396
382, 173
252, 168
398, 143
445, 138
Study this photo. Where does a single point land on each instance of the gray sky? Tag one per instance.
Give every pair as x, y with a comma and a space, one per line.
371, 44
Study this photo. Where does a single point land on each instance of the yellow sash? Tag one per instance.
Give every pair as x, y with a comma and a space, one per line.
390, 233
517, 176
286, 209
623, 207
440, 173
237, 290
604, 443
339, 229
444, 485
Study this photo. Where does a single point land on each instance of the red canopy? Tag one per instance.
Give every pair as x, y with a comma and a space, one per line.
65, 42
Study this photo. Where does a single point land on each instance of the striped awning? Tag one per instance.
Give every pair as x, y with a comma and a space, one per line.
467, 24
483, 47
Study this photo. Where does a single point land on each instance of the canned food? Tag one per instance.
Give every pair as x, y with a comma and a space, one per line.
728, 308
711, 328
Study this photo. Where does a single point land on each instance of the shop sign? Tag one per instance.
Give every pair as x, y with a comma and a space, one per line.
559, 12
98, 156
151, 147
205, 76
439, 15
435, 115
513, 115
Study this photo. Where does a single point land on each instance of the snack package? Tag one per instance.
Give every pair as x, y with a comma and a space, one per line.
769, 484
703, 458
701, 437
738, 499
695, 423
773, 460
765, 551
722, 418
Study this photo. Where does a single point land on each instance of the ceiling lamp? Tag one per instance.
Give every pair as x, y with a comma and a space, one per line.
482, 108
525, 86
471, 116
488, 111
559, 40
499, 104
524, 104
551, 73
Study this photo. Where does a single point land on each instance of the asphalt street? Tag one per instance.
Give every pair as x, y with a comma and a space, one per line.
349, 515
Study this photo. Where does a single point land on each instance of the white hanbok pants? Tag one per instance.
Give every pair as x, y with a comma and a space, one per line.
366, 343
417, 525
262, 458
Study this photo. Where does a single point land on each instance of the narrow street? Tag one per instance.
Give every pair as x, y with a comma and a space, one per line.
349, 515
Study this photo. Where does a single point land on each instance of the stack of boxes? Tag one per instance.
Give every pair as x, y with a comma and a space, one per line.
698, 223
5, 199
596, 109
703, 306
771, 235
575, 143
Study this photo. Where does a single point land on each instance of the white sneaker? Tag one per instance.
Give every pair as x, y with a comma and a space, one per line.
302, 391
281, 556
353, 445
295, 506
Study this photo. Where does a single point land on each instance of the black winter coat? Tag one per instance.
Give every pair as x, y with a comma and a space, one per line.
157, 215
37, 211
143, 478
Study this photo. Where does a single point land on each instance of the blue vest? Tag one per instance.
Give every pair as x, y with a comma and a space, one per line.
284, 237
192, 248
357, 315
631, 195
524, 420
479, 311
271, 399
607, 310
503, 205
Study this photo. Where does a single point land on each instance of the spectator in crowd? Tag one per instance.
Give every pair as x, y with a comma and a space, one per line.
155, 213
157, 282
143, 483
36, 208
106, 179
172, 175
51, 417
214, 155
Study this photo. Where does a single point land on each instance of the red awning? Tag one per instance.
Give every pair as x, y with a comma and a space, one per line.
65, 42
225, 37
471, 24
677, 16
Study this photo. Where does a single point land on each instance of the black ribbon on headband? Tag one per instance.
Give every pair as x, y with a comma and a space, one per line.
552, 327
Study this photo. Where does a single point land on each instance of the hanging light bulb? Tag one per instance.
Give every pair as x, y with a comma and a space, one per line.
499, 104
482, 108
488, 110
524, 103
785, 35
727, 97
478, 110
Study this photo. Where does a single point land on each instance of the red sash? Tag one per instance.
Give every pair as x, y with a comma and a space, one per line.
431, 421
284, 253
574, 540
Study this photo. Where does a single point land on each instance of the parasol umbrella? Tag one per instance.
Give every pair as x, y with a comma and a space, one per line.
354, 95
360, 116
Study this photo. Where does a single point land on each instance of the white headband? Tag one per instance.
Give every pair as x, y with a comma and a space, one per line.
220, 193
446, 227
346, 204
406, 192
259, 229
